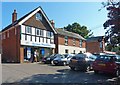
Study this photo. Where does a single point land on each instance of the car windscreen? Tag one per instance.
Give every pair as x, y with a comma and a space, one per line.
106, 58
79, 56
117, 58
66, 55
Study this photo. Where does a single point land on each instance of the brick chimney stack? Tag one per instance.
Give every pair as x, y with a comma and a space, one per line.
53, 23
14, 16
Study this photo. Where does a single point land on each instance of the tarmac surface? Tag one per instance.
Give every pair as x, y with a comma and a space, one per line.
44, 73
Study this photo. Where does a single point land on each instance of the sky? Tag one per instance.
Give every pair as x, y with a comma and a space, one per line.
63, 13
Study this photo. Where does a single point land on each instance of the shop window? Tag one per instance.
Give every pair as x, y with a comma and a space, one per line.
66, 40
38, 16
80, 43
74, 41
66, 50
28, 30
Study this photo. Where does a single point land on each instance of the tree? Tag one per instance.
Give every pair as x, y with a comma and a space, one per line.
112, 25
81, 30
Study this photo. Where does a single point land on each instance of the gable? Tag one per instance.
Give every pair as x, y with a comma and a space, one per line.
42, 24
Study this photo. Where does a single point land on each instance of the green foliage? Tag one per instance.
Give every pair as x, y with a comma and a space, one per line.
110, 47
81, 30
113, 23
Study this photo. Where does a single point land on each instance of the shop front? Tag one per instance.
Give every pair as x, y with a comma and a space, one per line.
29, 52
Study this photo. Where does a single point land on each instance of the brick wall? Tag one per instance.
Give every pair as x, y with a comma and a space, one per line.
61, 41
11, 45
93, 47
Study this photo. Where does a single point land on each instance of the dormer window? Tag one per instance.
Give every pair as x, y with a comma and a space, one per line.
38, 16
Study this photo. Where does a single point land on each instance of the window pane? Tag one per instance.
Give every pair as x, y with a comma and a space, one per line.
66, 40
41, 32
28, 30
37, 31
38, 16
48, 34
80, 43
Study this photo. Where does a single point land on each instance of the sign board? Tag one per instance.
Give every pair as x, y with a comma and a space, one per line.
28, 52
37, 44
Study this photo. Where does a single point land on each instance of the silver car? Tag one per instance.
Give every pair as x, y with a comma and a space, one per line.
62, 59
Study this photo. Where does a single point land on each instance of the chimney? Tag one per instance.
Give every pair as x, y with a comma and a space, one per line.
14, 16
53, 23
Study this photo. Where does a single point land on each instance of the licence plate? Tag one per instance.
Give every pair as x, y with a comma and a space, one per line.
101, 64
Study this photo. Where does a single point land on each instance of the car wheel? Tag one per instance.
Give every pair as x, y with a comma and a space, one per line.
95, 71
72, 68
117, 73
64, 63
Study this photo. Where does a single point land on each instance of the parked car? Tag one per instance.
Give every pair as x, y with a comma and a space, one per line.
82, 61
62, 59
48, 59
108, 64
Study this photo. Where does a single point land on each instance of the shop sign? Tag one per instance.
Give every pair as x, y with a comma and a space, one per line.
38, 44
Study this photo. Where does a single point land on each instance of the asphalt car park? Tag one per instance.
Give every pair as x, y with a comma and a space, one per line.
46, 73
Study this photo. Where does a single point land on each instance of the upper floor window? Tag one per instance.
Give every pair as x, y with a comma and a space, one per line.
28, 30
38, 16
66, 50
66, 40
38, 32
80, 43
41, 32
52, 35
73, 41
101, 44
48, 34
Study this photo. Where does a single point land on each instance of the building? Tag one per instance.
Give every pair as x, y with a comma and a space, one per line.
68, 42
22, 37
95, 44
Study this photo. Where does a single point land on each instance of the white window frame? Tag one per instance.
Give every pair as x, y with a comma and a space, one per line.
28, 30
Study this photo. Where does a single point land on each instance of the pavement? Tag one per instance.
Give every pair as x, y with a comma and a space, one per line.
44, 73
